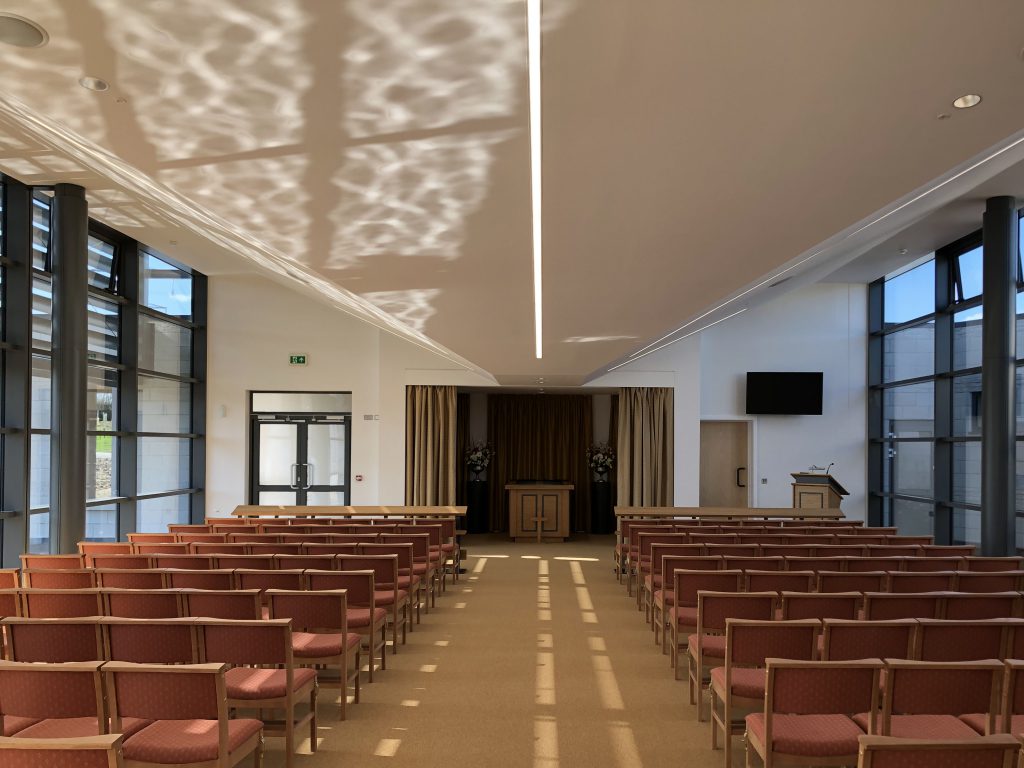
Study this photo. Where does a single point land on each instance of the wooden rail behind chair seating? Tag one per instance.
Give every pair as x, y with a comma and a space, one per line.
729, 513
254, 511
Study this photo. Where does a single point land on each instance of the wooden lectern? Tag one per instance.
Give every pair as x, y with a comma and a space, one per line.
538, 511
817, 491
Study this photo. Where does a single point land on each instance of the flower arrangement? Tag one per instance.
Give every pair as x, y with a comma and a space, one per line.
601, 458
478, 456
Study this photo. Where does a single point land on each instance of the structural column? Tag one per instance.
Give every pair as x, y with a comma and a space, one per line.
999, 342
69, 253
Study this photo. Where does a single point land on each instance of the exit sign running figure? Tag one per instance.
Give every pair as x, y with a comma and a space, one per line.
297, 360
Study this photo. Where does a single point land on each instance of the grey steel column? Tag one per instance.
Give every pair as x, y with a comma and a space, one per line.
999, 341
70, 242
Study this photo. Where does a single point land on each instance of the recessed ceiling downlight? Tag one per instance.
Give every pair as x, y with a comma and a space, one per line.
94, 84
20, 32
967, 101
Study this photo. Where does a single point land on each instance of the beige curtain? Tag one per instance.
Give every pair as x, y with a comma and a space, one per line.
645, 447
430, 445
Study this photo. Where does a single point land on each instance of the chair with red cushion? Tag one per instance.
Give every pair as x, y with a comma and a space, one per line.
60, 603
940, 700
263, 674
186, 708
682, 617
809, 709
54, 640
222, 604
425, 566
320, 635
1011, 711
363, 614
269, 579
151, 641
88, 752
52, 701
740, 683
395, 590
940, 640
652, 573
79, 578
849, 640
89, 548
665, 597
998, 751
705, 648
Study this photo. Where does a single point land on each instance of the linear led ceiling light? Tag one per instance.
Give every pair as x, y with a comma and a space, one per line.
533, 12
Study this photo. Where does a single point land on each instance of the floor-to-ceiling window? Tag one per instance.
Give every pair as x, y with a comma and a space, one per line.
146, 363
925, 396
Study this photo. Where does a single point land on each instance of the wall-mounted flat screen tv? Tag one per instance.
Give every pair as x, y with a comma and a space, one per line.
784, 393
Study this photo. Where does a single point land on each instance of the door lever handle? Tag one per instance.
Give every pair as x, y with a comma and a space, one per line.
738, 483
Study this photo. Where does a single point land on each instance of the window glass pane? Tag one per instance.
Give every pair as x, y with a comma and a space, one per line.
913, 518
39, 533
101, 400
967, 473
42, 312
1019, 395
101, 263
1020, 477
970, 275
41, 383
40, 234
967, 405
907, 469
100, 466
326, 498
909, 411
1020, 325
164, 347
966, 526
39, 475
278, 497
910, 295
101, 523
104, 320
154, 515
163, 464
967, 338
165, 288
164, 405
909, 353
302, 402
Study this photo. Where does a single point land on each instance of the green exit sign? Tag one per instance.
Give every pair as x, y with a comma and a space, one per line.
297, 360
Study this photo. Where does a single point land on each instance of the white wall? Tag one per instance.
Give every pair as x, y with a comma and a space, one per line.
254, 325
816, 328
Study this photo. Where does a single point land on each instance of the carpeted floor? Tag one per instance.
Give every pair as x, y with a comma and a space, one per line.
535, 658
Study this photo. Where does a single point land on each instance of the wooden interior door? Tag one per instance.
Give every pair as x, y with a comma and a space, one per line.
724, 448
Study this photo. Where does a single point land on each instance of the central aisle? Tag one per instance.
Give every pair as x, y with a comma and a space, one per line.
534, 658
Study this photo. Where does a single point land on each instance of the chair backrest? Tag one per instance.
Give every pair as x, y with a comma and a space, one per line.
939, 640
161, 548
927, 564
249, 643
845, 640
248, 562
816, 564
255, 538
732, 550
995, 605
71, 689
996, 751
837, 581
312, 611
860, 564
749, 643
1013, 692
142, 603
779, 581
989, 581
123, 562
887, 606
672, 563
275, 550
61, 603
941, 688
269, 579
82, 752
187, 528
384, 566
190, 562
820, 605
144, 578
151, 641
903, 582
990, 564
188, 692
687, 584
222, 604
218, 548
840, 550
52, 562
64, 579
302, 562
714, 609
949, 550
420, 544
10, 578
54, 640
152, 538
10, 602
202, 538
200, 579
358, 584
104, 548
822, 687
661, 551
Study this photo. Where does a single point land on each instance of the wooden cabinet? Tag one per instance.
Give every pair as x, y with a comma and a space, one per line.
538, 511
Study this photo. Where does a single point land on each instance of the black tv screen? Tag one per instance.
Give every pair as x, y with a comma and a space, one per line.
784, 393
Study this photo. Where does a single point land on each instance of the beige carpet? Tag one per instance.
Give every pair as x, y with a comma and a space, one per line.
535, 658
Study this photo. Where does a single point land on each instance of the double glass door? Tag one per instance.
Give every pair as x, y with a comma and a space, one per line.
300, 459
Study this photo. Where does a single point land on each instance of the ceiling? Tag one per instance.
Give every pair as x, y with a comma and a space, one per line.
375, 153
